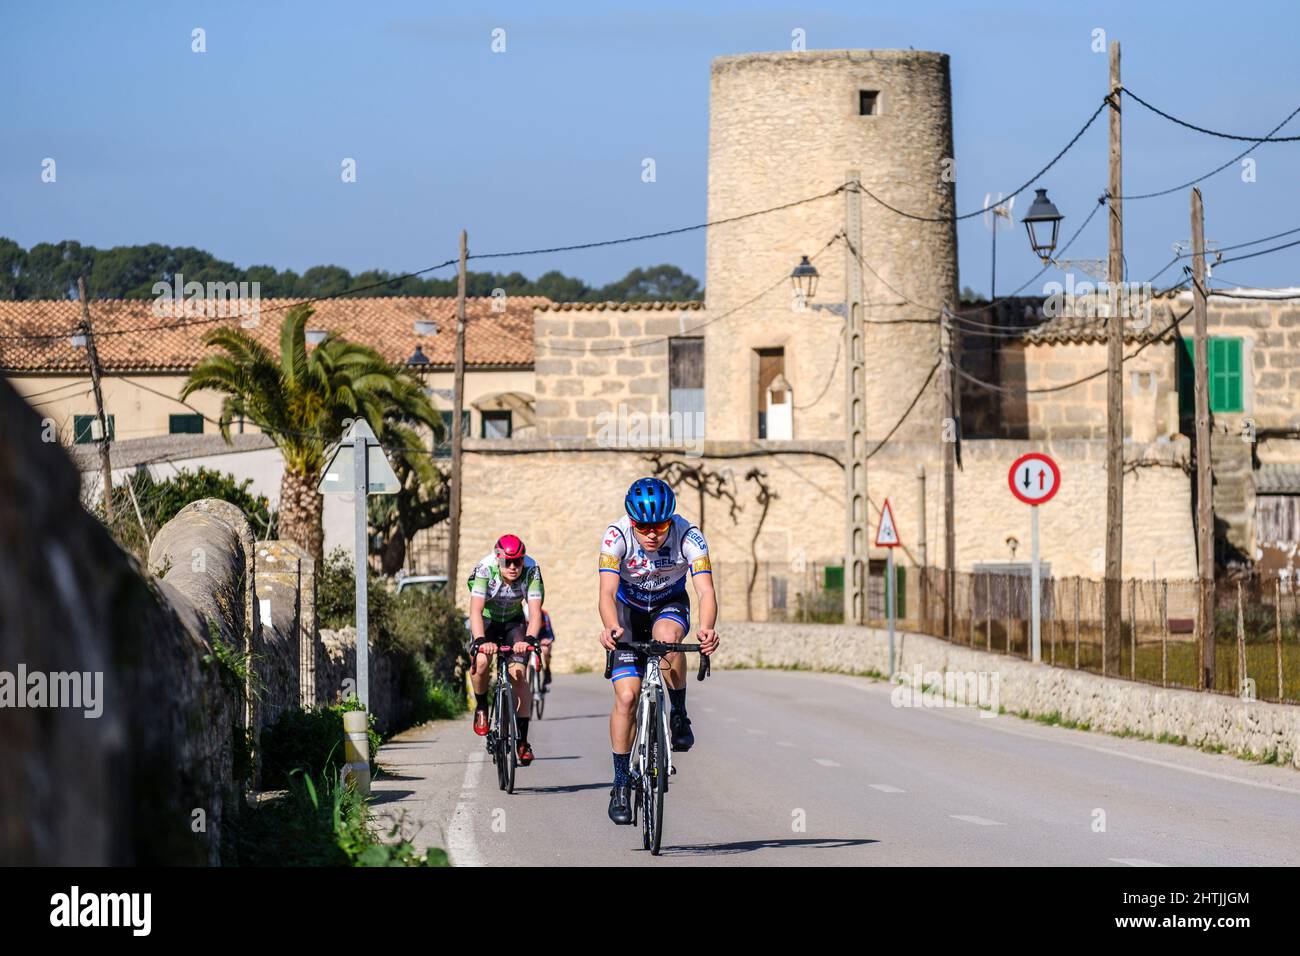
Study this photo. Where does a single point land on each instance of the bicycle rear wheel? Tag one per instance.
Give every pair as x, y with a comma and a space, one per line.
539, 692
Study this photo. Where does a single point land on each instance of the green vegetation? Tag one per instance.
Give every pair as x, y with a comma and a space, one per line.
424, 632
307, 741
50, 271
318, 822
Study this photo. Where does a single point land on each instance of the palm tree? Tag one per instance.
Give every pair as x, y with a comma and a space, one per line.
303, 400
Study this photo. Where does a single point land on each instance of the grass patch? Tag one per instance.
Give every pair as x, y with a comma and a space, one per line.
318, 823
309, 741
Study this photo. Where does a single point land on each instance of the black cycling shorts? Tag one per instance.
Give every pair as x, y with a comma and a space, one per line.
508, 633
639, 626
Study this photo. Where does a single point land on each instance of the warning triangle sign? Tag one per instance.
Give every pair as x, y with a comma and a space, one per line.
887, 533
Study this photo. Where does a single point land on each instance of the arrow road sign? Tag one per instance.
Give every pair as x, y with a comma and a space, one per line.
1034, 478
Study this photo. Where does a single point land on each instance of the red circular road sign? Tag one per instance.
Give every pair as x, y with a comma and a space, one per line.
1034, 478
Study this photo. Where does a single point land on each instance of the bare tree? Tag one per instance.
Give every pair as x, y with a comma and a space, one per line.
765, 498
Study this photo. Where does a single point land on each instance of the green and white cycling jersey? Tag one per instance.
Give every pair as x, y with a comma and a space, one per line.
504, 600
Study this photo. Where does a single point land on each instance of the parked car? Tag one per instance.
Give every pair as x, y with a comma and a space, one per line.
433, 583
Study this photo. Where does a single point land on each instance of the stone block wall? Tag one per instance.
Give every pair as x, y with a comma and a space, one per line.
127, 786
593, 360
284, 647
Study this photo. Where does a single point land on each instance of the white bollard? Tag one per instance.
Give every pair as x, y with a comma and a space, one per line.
356, 752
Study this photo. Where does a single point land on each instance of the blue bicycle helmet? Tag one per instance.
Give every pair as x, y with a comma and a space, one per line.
650, 500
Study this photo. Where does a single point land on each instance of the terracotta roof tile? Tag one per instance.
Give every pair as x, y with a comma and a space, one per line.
131, 338
549, 306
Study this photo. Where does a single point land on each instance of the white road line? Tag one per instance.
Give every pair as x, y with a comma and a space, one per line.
461, 848
978, 821
1009, 727
886, 788
824, 762
1134, 861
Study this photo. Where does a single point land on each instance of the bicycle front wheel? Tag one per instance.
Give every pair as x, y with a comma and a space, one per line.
539, 693
653, 784
510, 736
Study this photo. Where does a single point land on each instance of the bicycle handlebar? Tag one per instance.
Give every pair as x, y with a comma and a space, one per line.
654, 648
502, 648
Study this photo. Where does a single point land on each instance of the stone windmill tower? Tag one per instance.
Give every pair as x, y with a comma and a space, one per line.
786, 126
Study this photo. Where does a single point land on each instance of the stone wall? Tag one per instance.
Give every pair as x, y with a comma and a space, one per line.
559, 496
336, 678
284, 647
132, 785
595, 358
1106, 704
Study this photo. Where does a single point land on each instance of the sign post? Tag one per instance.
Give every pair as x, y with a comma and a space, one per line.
1034, 479
359, 458
887, 537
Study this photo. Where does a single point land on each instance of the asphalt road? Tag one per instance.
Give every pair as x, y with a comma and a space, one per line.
805, 769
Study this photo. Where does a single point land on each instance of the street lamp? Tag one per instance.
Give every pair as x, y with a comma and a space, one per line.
804, 279
418, 358
1042, 215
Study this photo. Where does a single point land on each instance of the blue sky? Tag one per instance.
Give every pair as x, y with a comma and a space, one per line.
238, 150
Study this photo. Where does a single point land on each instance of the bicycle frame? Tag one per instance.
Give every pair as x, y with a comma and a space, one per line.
652, 692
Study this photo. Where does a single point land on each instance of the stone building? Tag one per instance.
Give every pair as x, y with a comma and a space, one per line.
626, 389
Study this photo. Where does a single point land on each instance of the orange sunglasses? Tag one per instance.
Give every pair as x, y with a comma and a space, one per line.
659, 527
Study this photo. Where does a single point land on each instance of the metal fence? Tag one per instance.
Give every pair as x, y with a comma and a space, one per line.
1256, 627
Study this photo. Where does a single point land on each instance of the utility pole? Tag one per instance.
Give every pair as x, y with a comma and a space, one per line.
855, 377
1204, 479
1114, 385
949, 460
458, 401
923, 550
92, 354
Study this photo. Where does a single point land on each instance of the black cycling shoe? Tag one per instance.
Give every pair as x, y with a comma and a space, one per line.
680, 727
620, 805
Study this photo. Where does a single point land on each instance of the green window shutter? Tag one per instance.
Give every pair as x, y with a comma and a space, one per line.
83, 429
834, 577
185, 424
900, 602
1225, 375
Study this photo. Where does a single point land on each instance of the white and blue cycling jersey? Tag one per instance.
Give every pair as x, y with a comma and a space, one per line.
649, 580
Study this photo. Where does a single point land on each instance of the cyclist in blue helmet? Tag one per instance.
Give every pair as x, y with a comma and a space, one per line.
645, 557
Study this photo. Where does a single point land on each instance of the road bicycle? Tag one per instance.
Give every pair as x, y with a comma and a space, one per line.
652, 757
503, 726
537, 681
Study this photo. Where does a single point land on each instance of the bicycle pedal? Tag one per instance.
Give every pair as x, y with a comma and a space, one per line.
672, 771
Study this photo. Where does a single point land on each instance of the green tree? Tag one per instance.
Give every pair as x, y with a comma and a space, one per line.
302, 400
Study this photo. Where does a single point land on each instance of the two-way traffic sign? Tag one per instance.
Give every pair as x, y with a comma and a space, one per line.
1034, 478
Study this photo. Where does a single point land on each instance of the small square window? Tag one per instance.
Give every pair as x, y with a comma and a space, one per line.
867, 102
495, 424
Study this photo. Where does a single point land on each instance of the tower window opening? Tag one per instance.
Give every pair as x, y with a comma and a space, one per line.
867, 102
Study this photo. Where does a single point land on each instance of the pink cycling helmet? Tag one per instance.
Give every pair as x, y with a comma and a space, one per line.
509, 546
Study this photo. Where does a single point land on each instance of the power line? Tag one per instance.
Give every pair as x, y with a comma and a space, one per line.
659, 340
489, 255
1217, 169
1270, 138
898, 424
666, 232
1033, 179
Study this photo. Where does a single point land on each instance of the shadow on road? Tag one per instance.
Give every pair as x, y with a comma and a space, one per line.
551, 720
748, 846
389, 796
565, 788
